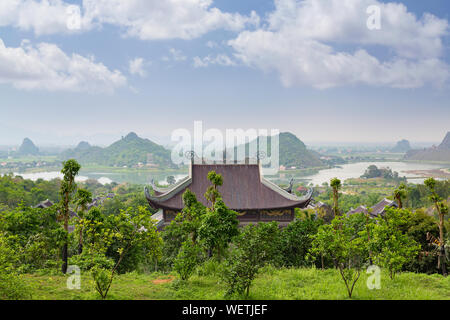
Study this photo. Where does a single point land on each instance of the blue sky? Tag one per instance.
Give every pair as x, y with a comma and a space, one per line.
309, 67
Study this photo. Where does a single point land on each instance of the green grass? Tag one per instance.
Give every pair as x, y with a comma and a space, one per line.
272, 284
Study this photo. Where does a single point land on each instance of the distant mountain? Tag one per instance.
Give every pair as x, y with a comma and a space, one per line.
439, 153
402, 146
28, 148
293, 153
129, 151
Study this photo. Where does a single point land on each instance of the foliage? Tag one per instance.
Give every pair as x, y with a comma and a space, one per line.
15, 190
184, 226
11, 286
132, 231
391, 247
256, 246
187, 260
218, 227
129, 151
35, 234
374, 172
347, 249
296, 241
68, 186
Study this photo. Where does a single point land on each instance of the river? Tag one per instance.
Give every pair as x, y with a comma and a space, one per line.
343, 172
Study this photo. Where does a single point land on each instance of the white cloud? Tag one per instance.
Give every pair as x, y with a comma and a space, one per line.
220, 59
144, 19
46, 67
301, 38
168, 19
136, 67
42, 17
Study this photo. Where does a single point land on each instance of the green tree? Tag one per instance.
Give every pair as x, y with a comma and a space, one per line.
390, 244
68, 186
82, 199
188, 259
296, 241
399, 194
185, 226
212, 192
256, 246
219, 224
340, 242
11, 285
442, 210
336, 186
131, 228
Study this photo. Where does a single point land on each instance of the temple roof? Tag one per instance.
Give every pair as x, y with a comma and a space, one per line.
244, 188
360, 209
378, 209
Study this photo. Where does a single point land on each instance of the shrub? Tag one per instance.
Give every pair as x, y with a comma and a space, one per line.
187, 259
255, 247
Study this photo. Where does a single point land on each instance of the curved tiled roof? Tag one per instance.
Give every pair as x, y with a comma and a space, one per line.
243, 188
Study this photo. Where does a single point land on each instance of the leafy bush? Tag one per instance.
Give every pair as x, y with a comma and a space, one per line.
11, 286
187, 259
256, 246
296, 241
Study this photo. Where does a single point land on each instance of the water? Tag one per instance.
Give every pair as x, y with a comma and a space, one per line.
50, 175
355, 170
346, 171
106, 177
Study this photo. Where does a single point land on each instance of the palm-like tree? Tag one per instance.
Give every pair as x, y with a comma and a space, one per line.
442, 210
83, 198
399, 194
336, 185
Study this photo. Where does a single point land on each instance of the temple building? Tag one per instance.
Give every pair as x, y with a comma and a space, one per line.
244, 190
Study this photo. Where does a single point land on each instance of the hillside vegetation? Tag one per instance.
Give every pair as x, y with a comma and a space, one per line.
128, 151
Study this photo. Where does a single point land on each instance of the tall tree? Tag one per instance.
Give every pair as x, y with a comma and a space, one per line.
442, 210
399, 194
336, 185
68, 186
82, 200
212, 193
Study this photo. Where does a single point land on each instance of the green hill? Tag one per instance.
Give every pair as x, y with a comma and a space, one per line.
292, 152
128, 151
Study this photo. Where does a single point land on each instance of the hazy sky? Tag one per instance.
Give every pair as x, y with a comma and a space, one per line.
312, 67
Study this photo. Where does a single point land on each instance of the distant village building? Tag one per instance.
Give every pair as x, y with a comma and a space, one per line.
360, 209
376, 210
380, 207
244, 190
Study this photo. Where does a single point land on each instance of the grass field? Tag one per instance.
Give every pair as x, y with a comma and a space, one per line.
272, 284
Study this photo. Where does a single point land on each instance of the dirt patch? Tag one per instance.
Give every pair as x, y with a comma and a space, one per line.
161, 281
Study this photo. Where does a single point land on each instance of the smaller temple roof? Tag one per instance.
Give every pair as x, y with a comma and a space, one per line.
360, 209
379, 208
244, 188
